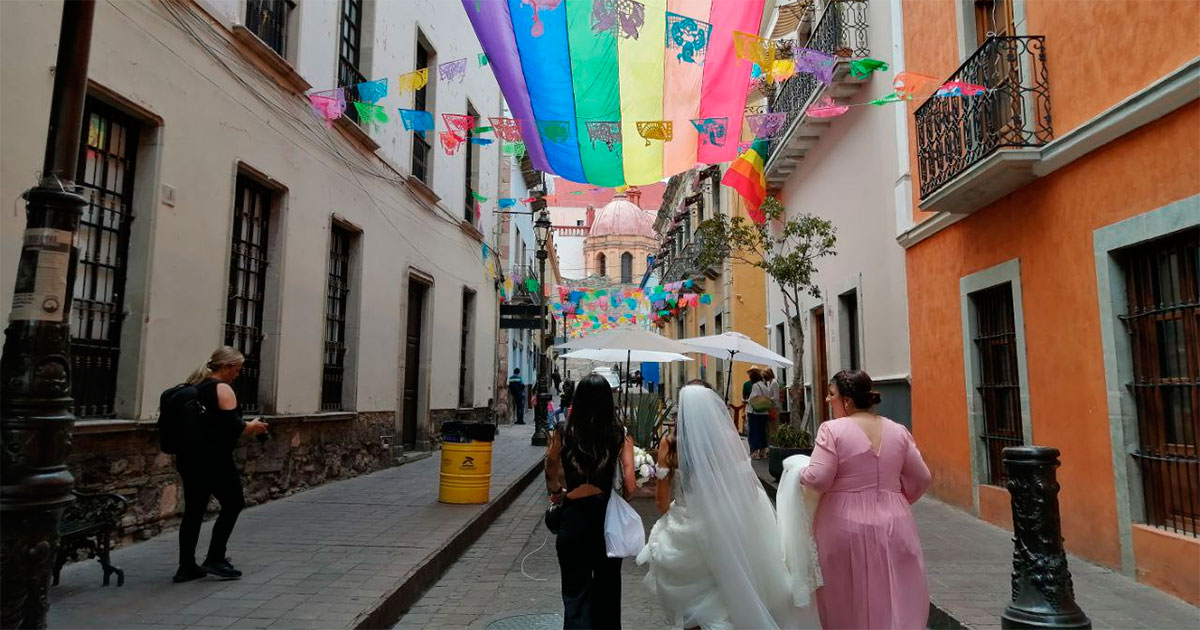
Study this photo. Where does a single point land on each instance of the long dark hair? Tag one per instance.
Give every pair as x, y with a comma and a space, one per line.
592, 439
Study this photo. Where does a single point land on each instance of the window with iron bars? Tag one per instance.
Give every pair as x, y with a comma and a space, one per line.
247, 283
466, 350
350, 53
472, 171
333, 372
268, 19
107, 150
626, 268
1163, 321
999, 383
421, 148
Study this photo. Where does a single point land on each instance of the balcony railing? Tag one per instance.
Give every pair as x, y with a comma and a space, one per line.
954, 133
841, 32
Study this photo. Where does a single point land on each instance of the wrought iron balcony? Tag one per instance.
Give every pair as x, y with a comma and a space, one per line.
956, 133
842, 32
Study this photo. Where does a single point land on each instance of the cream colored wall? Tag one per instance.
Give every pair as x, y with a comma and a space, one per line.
209, 124
849, 178
613, 247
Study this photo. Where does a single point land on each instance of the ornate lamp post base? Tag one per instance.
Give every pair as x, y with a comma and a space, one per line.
1042, 593
541, 418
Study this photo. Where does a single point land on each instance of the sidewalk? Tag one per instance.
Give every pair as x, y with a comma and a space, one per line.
353, 553
968, 563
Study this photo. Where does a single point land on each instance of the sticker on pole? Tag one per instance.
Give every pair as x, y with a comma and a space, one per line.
41, 290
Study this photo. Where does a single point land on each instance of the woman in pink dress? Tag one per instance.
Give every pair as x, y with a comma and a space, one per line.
868, 470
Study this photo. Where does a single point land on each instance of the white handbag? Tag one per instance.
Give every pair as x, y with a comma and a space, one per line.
624, 535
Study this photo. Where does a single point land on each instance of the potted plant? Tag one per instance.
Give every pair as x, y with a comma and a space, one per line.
786, 441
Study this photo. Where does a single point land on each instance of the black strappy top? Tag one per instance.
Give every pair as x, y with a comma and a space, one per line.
579, 468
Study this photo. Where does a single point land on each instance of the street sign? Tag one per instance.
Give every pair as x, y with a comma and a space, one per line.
521, 310
521, 316
530, 324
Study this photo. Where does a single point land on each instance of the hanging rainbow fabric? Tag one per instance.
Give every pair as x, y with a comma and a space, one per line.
580, 75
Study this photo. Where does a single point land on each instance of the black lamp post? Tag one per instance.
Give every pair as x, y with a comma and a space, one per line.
541, 232
35, 369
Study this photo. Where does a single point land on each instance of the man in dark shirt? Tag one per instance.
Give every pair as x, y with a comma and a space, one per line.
516, 393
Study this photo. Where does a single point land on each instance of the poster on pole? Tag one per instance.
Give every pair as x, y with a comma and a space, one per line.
41, 290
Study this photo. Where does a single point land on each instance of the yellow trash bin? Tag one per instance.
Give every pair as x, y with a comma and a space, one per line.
466, 472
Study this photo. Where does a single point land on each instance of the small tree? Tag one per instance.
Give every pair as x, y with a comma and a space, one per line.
787, 250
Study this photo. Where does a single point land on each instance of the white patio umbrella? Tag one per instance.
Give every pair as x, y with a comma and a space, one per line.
735, 346
626, 355
627, 340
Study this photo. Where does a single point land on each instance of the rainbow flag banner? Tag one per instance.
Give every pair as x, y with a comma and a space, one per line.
746, 177
592, 70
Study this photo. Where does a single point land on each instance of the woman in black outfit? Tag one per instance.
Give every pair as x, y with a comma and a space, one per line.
208, 469
580, 464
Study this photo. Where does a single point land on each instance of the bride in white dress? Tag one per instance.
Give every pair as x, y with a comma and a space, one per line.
716, 557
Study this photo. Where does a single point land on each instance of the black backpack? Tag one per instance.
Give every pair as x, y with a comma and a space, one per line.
179, 418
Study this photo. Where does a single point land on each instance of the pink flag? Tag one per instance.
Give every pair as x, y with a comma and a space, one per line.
827, 108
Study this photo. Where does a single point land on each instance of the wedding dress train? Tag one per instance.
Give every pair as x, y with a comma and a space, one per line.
716, 559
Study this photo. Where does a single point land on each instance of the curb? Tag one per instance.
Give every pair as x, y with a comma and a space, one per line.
388, 611
939, 618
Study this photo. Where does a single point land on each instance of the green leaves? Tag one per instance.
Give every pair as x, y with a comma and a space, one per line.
787, 249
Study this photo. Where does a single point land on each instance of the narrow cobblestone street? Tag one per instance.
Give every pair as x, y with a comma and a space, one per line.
509, 578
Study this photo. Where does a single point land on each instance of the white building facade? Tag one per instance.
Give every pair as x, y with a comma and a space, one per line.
343, 260
852, 171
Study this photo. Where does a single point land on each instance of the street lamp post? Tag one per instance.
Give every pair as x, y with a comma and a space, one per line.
35, 368
541, 231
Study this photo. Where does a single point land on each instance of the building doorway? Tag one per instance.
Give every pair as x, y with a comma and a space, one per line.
415, 333
820, 366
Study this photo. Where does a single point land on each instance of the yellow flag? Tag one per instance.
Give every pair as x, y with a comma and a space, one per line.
414, 80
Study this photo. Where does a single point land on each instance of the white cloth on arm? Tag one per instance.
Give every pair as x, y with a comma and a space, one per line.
797, 506
705, 568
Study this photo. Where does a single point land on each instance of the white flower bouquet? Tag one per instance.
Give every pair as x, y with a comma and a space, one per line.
643, 466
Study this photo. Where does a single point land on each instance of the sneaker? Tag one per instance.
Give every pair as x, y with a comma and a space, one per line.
221, 568
188, 573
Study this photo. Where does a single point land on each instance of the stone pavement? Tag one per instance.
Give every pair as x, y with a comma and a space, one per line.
345, 554
509, 578
968, 563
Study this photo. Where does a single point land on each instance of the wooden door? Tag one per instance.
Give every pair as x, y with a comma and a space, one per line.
993, 17
821, 369
412, 360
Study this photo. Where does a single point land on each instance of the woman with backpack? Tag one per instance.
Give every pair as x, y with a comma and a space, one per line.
207, 468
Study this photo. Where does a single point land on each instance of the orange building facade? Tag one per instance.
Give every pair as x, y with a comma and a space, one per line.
1053, 264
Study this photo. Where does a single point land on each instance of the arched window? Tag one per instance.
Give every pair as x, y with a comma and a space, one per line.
626, 268
600, 267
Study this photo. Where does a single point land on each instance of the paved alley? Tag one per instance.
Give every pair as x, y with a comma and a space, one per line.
325, 558
509, 578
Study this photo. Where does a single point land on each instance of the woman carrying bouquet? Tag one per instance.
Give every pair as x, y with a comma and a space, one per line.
708, 573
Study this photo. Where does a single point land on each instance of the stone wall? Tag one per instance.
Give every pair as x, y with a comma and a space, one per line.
439, 416
305, 451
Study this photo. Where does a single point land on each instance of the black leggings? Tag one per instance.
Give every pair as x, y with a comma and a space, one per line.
204, 478
591, 581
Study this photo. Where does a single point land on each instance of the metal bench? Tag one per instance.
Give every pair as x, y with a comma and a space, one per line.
87, 525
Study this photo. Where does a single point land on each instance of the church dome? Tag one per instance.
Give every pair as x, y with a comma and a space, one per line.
621, 217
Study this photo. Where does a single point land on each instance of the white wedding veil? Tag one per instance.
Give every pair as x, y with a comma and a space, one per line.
737, 521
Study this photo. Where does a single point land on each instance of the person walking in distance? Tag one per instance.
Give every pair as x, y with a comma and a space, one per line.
516, 392
207, 467
565, 397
